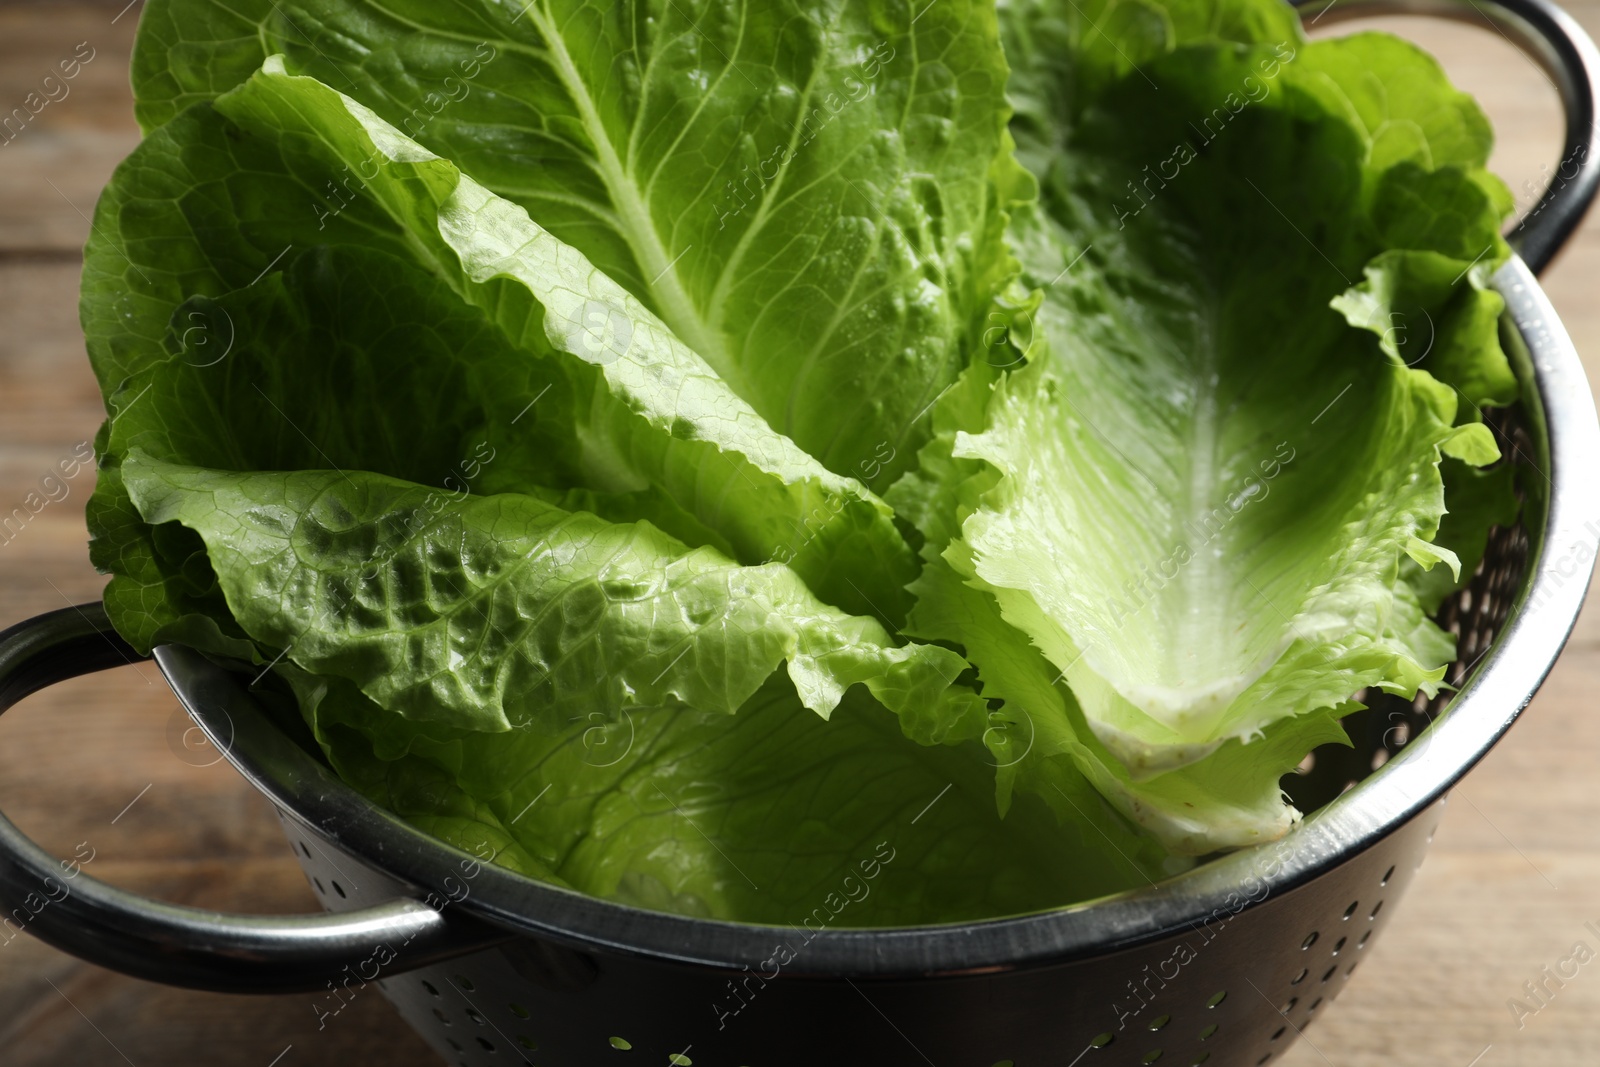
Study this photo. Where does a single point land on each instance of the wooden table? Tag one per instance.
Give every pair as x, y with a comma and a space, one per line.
1513, 876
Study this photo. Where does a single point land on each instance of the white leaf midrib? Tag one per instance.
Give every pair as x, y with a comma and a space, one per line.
658, 266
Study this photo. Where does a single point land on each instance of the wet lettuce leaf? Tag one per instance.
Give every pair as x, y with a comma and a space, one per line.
798, 189
1205, 496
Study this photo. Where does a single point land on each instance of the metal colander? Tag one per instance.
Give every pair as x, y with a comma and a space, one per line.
1224, 965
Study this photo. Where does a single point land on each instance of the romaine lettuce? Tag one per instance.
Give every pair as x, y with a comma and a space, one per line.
749, 434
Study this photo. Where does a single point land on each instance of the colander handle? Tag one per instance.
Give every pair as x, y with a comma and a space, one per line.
1552, 39
56, 901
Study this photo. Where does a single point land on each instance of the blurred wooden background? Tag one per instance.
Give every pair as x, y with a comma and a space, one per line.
1513, 877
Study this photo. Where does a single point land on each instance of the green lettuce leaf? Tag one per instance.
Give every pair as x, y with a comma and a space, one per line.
503, 612
637, 412
760, 817
799, 190
1205, 495
1042, 745
1424, 317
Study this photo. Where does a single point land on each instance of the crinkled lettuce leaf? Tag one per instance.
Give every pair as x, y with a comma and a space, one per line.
798, 189
505, 611
1209, 503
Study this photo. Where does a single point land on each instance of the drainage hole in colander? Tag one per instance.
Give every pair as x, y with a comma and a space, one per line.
1208, 1031
306, 852
441, 1016
621, 1042
1386, 876
1301, 977
429, 986
1311, 939
1102, 1040
1339, 945
519, 1011
1351, 910
1375, 909
1350, 970
527, 1042
1363, 942
337, 888
464, 982
1313, 1005
472, 1013
1159, 1022
486, 1044
1431, 832
1217, 998
1152, 1056
1379, 758
318, 883
1263, 1059
1280, 1032
1288, 1005
452, 1043
1331, 972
